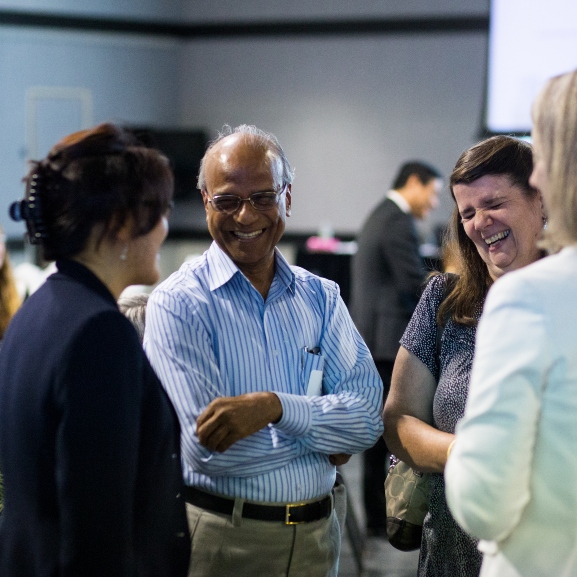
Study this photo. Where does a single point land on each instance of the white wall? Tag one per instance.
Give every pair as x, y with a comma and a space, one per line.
129, 79
145, 9
347, 110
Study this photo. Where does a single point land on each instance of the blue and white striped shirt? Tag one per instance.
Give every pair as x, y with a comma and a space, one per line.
209, 333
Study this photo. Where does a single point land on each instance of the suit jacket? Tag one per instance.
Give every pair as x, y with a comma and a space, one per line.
89, 442
386, 278
511, 476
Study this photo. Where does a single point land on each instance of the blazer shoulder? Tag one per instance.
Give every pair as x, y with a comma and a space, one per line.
389, 212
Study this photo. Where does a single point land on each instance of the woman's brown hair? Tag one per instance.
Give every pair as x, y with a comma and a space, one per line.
100, 176
501, 156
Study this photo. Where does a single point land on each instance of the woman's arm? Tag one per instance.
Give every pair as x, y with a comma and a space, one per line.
408, 416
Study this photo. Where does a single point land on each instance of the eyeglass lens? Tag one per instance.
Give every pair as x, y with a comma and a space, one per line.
230, 203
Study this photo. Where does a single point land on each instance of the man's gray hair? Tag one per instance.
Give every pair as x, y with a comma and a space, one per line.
260, 138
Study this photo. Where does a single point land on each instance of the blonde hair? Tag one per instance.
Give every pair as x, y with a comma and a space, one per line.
555, 131
9, 298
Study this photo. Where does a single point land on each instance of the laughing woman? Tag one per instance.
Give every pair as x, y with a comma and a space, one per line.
89, 442
496, 223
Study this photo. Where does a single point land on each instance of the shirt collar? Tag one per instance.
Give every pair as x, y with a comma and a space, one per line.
221, 268
399, 200
284, 272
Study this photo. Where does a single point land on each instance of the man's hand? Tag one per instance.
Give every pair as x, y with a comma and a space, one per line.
229, 419
339, 459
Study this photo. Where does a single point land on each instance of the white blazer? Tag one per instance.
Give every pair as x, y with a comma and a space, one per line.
511, 479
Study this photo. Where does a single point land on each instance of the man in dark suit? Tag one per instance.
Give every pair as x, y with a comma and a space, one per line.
387, 274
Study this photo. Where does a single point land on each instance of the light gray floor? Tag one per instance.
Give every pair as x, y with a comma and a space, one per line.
379, 558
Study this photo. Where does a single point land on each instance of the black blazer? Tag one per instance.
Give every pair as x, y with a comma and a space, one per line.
387, 273
89, 442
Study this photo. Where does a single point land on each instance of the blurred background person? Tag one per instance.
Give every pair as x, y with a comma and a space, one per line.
496, 223
387, 274
511, 476
9, 299
133, 307
29, 277
89, 442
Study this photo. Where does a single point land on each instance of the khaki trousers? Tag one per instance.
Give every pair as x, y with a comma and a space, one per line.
228, 546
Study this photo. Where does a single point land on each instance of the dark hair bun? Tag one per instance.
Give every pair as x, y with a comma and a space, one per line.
101, 177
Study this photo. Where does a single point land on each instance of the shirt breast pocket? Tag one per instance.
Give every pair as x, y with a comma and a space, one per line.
312, 374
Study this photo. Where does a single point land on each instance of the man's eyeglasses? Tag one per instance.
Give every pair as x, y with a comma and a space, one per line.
230, 203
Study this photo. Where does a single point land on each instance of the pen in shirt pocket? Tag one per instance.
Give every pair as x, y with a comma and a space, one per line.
311, 351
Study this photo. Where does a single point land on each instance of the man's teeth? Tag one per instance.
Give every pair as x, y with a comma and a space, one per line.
247, 234
499, 236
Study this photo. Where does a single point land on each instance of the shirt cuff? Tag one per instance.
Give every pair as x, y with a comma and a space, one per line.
297, 414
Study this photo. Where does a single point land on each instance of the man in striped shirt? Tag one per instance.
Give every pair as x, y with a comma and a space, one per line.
272, 382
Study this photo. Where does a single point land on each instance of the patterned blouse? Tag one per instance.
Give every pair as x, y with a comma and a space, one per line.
446, 550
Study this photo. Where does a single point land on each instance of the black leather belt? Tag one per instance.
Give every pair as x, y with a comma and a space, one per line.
290, 514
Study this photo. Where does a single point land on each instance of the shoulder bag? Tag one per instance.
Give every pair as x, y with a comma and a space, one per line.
406, 490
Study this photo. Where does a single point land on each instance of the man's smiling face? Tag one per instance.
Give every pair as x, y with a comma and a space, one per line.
238, 165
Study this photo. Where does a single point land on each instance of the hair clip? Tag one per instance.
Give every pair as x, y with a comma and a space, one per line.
30, 209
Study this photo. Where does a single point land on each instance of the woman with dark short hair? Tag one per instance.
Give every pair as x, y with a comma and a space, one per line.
89, 441
494, 228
